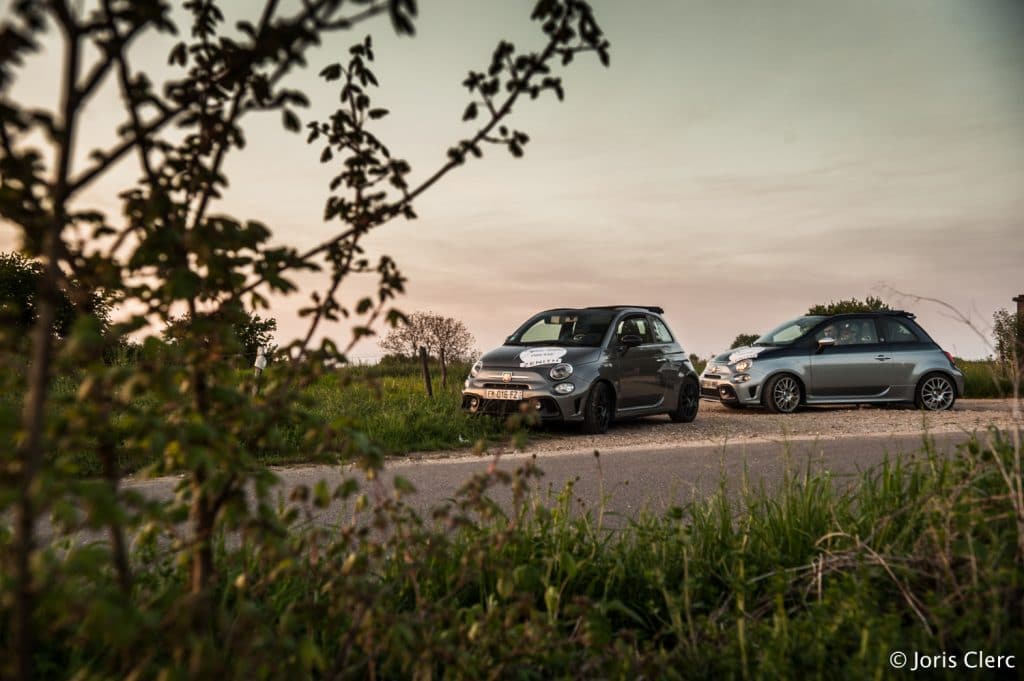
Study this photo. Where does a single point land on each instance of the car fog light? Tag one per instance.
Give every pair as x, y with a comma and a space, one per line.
564, 388
536, 404
474, 403
741, 378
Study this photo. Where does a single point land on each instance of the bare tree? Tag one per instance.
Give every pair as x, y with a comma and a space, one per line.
445, 338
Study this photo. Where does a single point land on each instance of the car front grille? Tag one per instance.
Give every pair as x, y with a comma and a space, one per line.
506, 386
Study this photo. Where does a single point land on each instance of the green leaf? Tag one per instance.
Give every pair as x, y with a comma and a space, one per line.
291, 121
331, 72
179, 55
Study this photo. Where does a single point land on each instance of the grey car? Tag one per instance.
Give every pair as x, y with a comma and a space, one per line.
869, 357
589, 366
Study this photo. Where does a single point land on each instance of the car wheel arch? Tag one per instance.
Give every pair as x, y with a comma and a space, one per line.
948, 375
801, 382
950, 378
611, 388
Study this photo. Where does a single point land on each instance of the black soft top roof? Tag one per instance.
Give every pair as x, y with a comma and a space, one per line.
649, 308
894, 313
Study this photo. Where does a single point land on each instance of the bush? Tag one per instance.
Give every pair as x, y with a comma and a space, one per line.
985, 378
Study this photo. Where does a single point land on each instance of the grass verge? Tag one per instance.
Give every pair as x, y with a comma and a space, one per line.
818, 579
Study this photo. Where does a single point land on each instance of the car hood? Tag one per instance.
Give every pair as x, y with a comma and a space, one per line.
519, 356
747, 352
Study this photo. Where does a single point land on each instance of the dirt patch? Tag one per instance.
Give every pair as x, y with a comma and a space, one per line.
716, 424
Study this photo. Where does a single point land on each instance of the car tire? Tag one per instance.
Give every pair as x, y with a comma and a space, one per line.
783, 394
688, 404
935, 392
599, 409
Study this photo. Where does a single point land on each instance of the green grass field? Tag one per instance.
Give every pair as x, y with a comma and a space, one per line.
395, 412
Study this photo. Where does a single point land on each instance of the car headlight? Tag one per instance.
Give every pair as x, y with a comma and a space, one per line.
711, 368
564, 388
743, 365
560, 372
476, 368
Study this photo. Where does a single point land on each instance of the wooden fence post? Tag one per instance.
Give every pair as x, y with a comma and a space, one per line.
426, 372
260, 365
444, 370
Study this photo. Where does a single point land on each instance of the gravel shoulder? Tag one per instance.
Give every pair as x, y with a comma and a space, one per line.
717, 425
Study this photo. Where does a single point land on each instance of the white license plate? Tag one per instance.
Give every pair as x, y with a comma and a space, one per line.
503, 394
708, 384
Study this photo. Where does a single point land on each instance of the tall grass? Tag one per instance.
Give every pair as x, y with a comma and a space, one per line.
986, 378
395, 412
820, 578
387, 403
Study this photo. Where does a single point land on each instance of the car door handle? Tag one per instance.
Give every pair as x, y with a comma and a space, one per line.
882, 358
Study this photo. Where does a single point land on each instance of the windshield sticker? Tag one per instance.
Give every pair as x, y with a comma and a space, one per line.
746, 353
535, 357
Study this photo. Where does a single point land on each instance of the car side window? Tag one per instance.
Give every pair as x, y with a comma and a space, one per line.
856, 331
636, 325
661, 332
895, 331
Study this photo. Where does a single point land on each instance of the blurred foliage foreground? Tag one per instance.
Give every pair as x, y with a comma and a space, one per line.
821, 578
383, 409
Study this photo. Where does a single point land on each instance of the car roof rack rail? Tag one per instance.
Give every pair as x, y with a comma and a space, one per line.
650, 308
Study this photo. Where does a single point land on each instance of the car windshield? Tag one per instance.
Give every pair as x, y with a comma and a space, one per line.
564, 327
784, 334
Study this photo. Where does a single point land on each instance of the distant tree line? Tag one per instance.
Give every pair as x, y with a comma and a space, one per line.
20, 280
1008, 334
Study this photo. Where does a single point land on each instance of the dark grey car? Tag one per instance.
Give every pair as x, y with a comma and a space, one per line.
869, 357
588, 366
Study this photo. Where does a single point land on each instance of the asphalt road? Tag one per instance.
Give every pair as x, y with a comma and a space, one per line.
630, 479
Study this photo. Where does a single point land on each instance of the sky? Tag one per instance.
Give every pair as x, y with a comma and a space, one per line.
739, 162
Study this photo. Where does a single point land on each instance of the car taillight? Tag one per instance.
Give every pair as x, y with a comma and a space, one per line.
949, 356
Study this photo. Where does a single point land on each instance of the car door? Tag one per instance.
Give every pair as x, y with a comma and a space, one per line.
854, 366
904, 349
638, 366
670, 357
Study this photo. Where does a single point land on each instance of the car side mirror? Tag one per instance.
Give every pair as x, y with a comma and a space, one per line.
631, 340
825, 343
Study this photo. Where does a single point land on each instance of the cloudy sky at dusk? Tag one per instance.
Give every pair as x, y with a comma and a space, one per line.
738, 162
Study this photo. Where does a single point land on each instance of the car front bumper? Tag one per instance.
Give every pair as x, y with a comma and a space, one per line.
732, 388
537, 397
